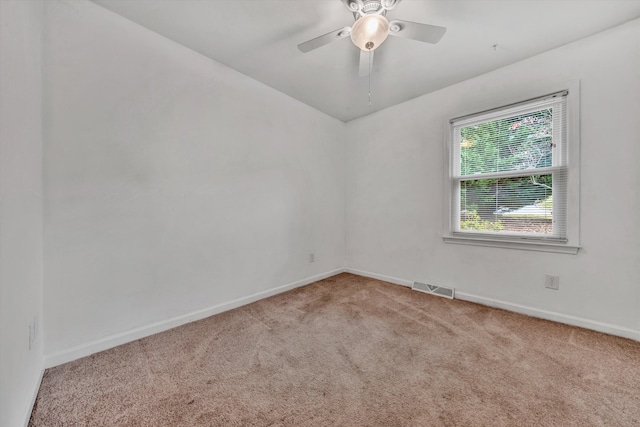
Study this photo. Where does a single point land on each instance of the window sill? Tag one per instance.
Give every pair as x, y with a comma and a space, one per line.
560, 248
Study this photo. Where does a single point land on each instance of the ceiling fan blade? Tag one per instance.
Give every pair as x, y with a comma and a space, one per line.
415, 31
365, 57
325, 39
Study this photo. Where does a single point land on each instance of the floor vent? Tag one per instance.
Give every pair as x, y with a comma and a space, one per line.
434, 290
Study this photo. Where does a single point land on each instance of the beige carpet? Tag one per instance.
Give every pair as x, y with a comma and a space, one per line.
352, 351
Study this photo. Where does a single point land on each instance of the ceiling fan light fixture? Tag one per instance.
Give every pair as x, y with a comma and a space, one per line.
370, 31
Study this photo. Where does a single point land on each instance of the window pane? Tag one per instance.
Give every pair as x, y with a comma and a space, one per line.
520, 142
522, 205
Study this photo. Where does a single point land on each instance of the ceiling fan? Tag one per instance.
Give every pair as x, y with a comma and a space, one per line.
372, 28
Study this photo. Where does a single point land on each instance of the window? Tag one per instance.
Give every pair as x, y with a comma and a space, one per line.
512, 179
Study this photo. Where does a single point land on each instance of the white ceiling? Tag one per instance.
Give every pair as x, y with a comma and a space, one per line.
259, 38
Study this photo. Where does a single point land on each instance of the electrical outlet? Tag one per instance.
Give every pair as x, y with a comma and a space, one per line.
552, 282
312, 257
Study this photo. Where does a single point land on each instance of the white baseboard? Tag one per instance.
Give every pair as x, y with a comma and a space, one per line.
102, 344
554, 316
382, 277
518, 308
34, 394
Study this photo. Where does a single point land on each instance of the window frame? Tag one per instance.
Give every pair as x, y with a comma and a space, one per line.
570, 244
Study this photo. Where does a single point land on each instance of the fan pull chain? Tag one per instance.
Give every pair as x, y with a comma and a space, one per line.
370, 72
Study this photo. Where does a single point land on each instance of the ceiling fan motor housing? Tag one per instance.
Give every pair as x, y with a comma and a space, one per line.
361, 8
371, 6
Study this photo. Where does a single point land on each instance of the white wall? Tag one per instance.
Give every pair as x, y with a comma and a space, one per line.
395, 185
172, 182
21, 24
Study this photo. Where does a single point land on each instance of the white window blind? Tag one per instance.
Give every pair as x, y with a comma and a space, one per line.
509, 171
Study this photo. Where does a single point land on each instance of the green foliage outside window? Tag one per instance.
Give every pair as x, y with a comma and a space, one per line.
510, 144
473, 221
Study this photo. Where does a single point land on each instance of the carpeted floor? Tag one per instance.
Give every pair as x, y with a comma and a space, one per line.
352, 351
